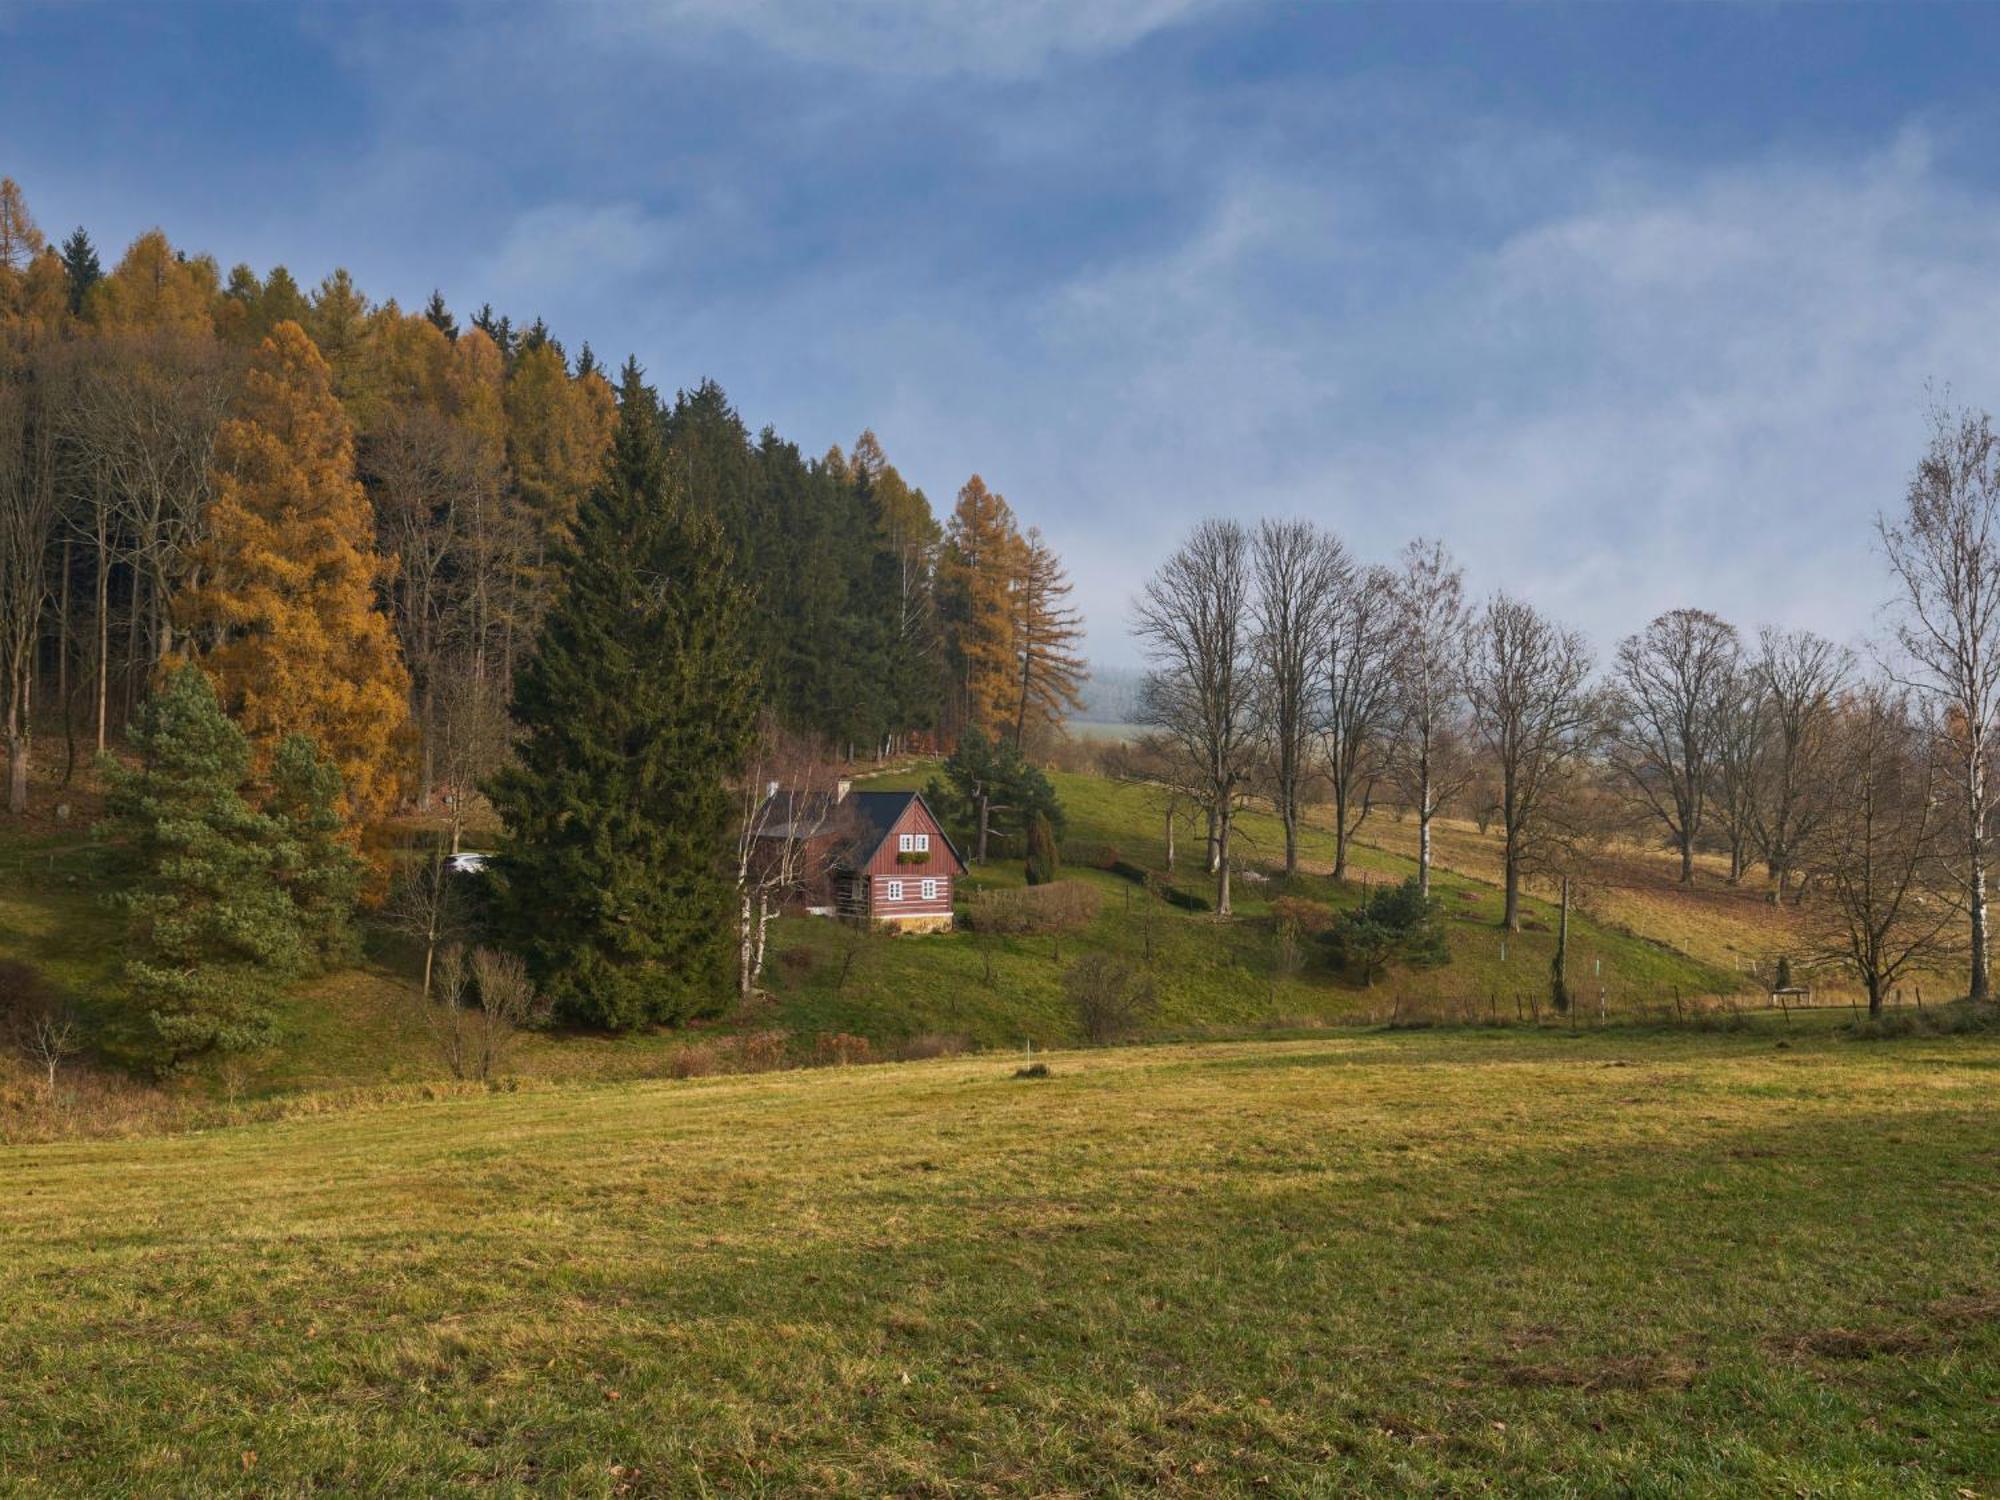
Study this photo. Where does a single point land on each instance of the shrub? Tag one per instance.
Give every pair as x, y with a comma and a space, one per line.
693, 1060
1392, 922
1124, 869
1309, 919
761, 1051
1036, 910
840, 1049
1043, 862
1094, 856
1109, 998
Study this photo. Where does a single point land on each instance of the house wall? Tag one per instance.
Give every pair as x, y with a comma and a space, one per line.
884, 867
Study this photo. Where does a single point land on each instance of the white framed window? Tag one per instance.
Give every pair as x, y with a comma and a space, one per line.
922, 842
905, 843
929, 889
895, 891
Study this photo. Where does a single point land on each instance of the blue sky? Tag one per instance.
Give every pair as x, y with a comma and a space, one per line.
1635, 307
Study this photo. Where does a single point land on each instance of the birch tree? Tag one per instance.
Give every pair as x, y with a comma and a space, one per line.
1426, 755
1944, 552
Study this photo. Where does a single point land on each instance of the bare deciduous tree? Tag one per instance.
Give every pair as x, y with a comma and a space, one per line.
1803, 676
427, 905
1427, 752
1300, 572
1193, 622
1879, 842
1742, 743
1528, 681
1360, 695
1944, 550
30, 509
1671, 679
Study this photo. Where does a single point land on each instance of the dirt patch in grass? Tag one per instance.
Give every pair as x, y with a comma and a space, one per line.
1536, 1358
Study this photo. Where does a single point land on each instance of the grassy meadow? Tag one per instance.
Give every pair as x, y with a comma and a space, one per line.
1638, 1262
360, 1028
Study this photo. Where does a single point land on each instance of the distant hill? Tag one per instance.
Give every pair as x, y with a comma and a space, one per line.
1111, 696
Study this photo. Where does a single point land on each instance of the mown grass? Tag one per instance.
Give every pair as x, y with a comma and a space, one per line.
1496, 1262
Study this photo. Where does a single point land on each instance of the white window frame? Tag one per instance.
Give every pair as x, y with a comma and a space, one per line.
905, 843
929, 889
922, 843
894, 891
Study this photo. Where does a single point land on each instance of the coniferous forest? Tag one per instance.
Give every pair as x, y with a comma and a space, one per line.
413, 559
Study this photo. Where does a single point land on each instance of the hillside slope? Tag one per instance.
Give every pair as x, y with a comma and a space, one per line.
1429, 1262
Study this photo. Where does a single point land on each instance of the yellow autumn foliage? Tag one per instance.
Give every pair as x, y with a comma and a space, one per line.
286, 604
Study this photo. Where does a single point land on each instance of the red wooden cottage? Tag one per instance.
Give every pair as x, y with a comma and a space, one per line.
886, 858
898, 870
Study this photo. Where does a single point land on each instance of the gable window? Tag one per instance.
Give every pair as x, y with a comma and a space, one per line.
921, 842
895, 891
930, 890
905, 842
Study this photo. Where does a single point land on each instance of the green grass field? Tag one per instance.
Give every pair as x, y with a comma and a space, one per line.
1637, 1263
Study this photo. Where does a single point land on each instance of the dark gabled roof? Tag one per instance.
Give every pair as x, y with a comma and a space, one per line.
879, 813
869, 816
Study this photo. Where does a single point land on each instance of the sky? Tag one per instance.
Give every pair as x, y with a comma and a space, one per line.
1636, 308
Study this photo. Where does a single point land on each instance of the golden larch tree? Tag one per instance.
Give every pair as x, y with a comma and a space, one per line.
977, 576
1047, 630
286, 607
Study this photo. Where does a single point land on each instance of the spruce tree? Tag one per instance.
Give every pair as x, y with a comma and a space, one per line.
211, 932
80, 264
439, 316
321, 872
634, 711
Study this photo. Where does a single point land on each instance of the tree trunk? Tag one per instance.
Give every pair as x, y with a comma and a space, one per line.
17, 772
1339, 834
1291, 836
1510, 917
985, 807
1222, 863
1687, 860
103, 627
1170, 841
763, 939
1981, 986
1559, 965
1424, 844
1874, 997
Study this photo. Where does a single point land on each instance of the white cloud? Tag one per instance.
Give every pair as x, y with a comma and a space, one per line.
995, 37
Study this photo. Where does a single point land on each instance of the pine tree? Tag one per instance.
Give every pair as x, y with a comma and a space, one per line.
295, 639
321, 873
636, 708
211, 931
81, 266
